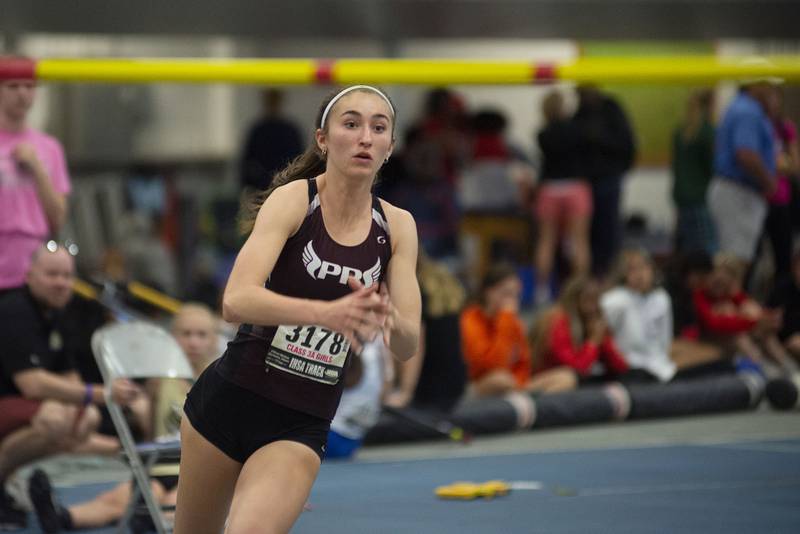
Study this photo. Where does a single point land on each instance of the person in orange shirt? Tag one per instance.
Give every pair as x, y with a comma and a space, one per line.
495, 344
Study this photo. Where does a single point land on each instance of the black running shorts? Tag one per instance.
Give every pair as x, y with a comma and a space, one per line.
239, 422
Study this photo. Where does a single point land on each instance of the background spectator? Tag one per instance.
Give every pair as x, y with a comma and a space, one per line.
727, 315
360, 406
195, 329
436, 377
575, 336
496, 344
45, 408
609, 152
692, 169
744, 167
34, 183
563, 199
639, 314
428, 196
688, 273
786, 298
443, 130
271, 143
685, 274
491, 181
436, 150
778, 224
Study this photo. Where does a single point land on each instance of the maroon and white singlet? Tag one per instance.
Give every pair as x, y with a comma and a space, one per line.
302, 366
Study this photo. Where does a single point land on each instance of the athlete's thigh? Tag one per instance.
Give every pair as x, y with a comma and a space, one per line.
273, 487
205, 486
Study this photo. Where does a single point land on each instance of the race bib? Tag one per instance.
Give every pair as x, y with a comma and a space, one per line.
312, 352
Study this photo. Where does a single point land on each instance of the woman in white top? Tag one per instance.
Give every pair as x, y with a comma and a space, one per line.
639, 314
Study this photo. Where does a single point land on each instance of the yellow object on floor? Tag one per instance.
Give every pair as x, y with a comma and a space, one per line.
471, 490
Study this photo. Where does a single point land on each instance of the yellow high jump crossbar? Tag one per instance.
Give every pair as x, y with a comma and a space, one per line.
138, 290
632, 70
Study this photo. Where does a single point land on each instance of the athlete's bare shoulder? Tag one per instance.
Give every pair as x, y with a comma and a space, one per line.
401, 222
293, 191
287, 205
393, 212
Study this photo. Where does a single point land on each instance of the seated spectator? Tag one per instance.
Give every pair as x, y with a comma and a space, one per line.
727, 315
639, 314
495, 342
575, 336
360, 406
693, 356
80, 319
45, 408
195, 329
686, 274
436, 377
786, 298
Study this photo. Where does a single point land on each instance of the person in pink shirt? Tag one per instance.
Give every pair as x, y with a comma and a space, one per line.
34, 183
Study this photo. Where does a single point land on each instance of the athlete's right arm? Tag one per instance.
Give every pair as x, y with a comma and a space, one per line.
246, 300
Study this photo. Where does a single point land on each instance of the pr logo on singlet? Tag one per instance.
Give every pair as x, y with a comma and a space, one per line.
320, 269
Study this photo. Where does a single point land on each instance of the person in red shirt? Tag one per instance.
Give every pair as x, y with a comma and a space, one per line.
728, 316
574, 335
495, 342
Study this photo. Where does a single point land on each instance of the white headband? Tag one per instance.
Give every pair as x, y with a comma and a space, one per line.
347, 90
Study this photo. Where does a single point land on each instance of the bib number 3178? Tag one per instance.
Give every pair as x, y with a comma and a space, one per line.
310, 351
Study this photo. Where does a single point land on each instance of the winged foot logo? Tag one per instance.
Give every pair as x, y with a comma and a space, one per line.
321, 269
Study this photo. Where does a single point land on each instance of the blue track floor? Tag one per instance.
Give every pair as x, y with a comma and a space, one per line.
748, 487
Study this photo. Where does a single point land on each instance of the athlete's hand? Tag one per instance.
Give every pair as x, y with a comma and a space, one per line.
359, 316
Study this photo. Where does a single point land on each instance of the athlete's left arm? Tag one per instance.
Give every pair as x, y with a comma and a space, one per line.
403, 323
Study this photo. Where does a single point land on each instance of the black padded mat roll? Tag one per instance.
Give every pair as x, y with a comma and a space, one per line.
582, 406
720, 394
784, 393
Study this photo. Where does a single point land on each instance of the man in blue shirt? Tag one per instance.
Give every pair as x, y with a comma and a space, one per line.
744, 167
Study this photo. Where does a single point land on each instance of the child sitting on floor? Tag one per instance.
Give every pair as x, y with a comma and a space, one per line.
727, 315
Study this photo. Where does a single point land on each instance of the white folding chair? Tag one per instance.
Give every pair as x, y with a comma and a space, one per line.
139, 350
